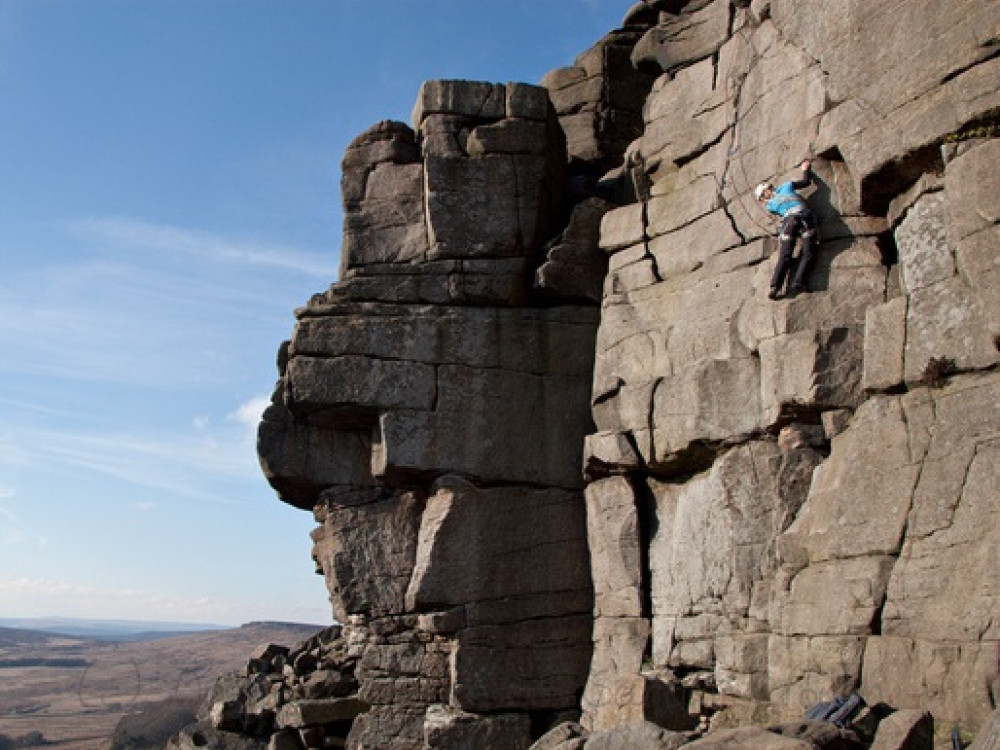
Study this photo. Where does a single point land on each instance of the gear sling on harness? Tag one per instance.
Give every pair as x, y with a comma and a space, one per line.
802, 224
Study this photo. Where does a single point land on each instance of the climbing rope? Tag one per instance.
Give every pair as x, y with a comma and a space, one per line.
734, 85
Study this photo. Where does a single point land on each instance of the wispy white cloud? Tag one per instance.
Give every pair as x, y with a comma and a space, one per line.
249, 413
144, 505
12, 453
125, 322
224, 450
183, 464
139, 234
12, 532
204, 462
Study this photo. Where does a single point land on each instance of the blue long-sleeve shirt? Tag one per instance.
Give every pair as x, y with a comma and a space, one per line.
786, 200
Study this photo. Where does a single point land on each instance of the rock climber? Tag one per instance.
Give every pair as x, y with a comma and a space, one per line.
796, 221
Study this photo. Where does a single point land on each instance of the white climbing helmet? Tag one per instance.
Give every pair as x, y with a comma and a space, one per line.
761, 188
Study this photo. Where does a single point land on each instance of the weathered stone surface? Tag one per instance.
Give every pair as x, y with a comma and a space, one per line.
614, 694
804, 670
367, 552
534, 664
574, 265
285, 739
687, 249
947, 315
487, 101
483, 207
466, 282
508, 137
884, 116
905, 730
524, 101
630, 276
885, 342
615, 548
533, 360
300, 460
712, 401
850, 514
822, 734
388, 727
517, 340
745, 738
684, 38
599, 119
473, 545
810, 369
382, 188
566, 736
935, 623
448, 728
734, 507
196, 737
608, 451
925, 253
674, 104
954, 506
989, 737
622, 227
226, 716
319, 711
683, 203
352, 384
638, 736
380, 371
741, 665
946, 320
536, 419
837, 597
386, 224
836, 421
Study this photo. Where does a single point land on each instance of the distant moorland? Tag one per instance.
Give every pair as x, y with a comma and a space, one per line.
74, 689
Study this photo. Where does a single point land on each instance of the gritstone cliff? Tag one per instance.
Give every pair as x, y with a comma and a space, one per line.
567, 459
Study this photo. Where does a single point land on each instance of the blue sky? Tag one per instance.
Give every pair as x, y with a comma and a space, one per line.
169, 193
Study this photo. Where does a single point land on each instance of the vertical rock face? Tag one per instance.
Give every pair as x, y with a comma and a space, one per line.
779, 564
690, 500
431, 412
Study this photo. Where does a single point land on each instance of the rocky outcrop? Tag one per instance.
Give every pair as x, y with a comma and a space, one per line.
567, 458
432, 411
827, 560
285, 698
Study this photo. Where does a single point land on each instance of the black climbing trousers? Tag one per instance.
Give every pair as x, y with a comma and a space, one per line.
801, 224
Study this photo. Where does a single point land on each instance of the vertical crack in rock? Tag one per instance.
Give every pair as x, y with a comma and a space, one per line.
961, 490
734, 91
518, 207
651, 257
646, 513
